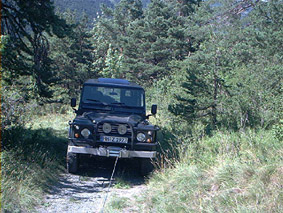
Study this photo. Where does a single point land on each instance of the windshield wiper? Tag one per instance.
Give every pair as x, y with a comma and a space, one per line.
96, 108
123, 105
93, 100
119, 103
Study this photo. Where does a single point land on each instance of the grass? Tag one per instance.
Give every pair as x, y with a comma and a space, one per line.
74, 200
229, 172
1, 182
32, 158
84, 178
120, 183
117, 204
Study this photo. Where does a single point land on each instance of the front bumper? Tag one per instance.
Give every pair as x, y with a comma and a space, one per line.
112, 151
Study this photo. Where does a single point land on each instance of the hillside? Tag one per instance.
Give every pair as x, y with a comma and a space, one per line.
90, 7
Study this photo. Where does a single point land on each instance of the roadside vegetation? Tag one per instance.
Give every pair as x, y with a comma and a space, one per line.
116, 204
32, 159
214, 68
228, 172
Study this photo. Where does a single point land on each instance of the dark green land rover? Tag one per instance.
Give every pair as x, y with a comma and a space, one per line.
111, 121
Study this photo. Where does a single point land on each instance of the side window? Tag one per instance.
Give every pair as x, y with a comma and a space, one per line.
142, 98
128, 93
90, 92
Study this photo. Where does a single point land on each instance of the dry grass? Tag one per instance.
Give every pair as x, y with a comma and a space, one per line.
31, 160
229, 172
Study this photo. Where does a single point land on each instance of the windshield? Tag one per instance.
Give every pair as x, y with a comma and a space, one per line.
113, 96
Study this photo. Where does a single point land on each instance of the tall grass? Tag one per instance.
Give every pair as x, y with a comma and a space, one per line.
228, 172
32, 158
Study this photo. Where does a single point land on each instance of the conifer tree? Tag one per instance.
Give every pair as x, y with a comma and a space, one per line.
150, 39
25, 24
113, 64
73, 57
229, 78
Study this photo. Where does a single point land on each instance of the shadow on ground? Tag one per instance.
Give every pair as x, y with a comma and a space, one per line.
88, 190
102, 168
79, 192
94, 176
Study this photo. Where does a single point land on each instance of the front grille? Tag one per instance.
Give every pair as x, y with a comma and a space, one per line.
114, 129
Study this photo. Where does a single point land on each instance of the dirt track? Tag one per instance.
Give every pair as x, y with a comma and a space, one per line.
86, 191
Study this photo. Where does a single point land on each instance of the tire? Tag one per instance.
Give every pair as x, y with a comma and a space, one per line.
72, 163
146, 166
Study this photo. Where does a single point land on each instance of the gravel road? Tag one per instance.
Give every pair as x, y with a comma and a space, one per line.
86, 191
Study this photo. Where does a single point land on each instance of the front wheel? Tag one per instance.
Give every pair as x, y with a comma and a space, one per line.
146, 166
72, 162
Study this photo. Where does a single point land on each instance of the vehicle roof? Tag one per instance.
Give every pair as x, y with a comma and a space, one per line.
112, 82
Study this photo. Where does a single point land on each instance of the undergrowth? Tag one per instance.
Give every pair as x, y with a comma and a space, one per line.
32, 158
228, 172
117, 204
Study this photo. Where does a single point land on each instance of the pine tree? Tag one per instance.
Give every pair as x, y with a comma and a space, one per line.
25, 24
150, 39
233, 79
162, 39
111, 30
113, 64
73, 57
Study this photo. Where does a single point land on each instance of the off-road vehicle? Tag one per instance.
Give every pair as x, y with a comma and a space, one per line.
111, 121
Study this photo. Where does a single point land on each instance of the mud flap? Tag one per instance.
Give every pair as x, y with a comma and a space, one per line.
72, 162
146, 166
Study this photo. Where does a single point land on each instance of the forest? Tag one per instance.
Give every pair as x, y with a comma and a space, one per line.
213, 67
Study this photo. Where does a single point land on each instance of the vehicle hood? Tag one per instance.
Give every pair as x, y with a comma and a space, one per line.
92, 117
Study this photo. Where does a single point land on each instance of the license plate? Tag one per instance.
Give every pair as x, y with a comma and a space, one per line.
112, 139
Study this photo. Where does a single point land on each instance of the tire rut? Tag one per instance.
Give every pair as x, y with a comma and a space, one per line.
85, 192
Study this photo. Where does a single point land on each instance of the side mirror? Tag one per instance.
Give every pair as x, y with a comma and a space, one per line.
154, 109
73, 102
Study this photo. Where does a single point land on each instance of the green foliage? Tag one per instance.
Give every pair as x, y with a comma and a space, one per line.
32, 157
31, 160
278, 130
233, 80
73, 59
15, 110
120, 183
113, 64
116, 204
214, 64
226, 172
27, 51
149, 39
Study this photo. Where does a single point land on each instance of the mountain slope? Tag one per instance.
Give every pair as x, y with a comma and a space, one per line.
90, 7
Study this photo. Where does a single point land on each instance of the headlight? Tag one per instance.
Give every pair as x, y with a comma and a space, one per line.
106, 128
141, 137
85, 133
122, 129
